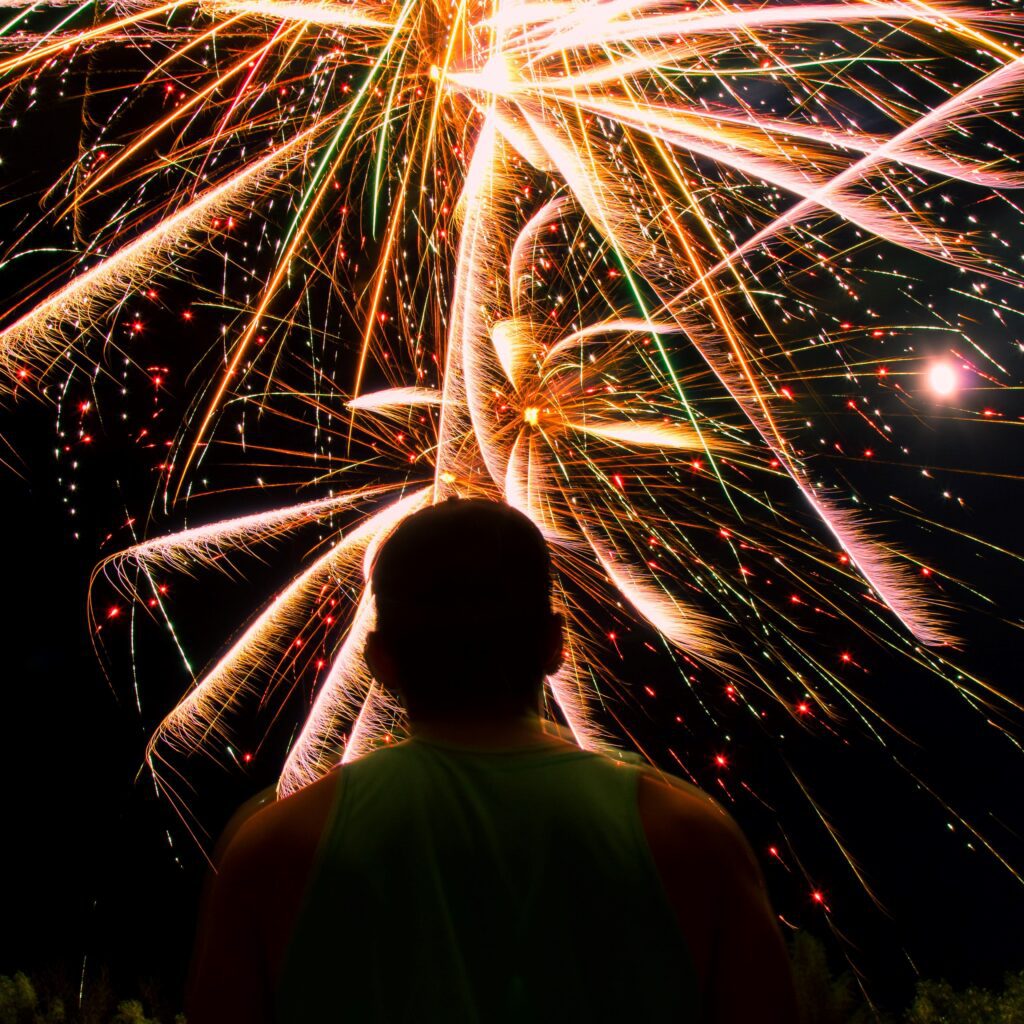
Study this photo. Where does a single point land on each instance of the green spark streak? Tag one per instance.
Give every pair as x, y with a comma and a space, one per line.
382, 144
663, 353
327, 160
676, 386
18, 18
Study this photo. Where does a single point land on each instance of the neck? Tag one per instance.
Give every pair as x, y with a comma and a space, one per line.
486, 731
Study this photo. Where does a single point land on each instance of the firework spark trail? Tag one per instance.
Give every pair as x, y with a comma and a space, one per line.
203, 709
205, 545
994, 88
684, 626
39, 332
330, 15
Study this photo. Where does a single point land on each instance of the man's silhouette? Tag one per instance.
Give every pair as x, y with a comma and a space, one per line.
485, 869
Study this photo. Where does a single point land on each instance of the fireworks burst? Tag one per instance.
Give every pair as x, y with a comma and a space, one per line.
587, 247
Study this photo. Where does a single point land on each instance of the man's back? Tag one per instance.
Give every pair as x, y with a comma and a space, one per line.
428, 882
466, 886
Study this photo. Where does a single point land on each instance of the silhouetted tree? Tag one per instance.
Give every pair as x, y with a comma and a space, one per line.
48, 1001
822, 998
937, 1002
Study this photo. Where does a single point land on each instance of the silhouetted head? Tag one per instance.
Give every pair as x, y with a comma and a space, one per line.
464, 619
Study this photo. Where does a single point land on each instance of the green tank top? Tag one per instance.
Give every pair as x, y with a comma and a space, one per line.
468, 886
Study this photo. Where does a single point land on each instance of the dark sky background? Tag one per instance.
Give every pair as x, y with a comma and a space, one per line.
100, 872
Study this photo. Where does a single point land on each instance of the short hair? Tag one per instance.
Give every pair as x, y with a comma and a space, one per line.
463, 595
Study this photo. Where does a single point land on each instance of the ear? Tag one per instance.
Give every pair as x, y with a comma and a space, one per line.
381, 662
554, 645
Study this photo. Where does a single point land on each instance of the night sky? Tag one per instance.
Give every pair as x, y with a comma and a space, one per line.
101, 871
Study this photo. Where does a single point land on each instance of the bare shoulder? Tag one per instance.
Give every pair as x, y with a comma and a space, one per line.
263, 866
691, 826
702, 859
282, 831
715, 887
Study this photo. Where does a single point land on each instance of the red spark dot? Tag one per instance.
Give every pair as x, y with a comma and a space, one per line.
152, 602
846, 656
697, 464
846, 325
803, 708
844, 559
883, 371
22, 374
786, 392
649, 691
724, 533
773, 851
618, 481
187, 314
298, 643
730, 689
877, 334
868, 453
320, 662
247, 757
613, 637
721, 760
989, 412
774, 463
818, 896
925, 571
163, 588
113, 611
794, 598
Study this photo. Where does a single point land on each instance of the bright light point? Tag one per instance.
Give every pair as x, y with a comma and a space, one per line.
942, 379
435, 73
496, 74
447, 478
532, 415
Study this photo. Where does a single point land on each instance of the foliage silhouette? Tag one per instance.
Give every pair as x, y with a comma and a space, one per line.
51, 999
823, 999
